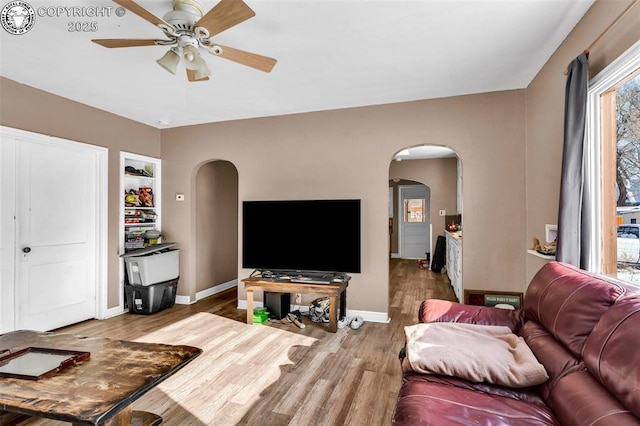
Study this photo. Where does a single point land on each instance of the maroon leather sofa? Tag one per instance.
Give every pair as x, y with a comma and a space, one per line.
584, 328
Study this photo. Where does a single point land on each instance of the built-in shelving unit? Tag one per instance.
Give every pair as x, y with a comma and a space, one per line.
140, 204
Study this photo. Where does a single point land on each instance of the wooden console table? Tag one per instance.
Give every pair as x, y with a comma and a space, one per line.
100, 390
337, 291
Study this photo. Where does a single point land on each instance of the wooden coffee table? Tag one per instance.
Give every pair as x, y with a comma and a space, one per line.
99, 391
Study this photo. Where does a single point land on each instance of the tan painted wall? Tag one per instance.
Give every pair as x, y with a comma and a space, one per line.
440, 176
216, 224
26, 108
545, 108
346, 154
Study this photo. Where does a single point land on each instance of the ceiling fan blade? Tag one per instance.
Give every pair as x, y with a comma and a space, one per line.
225, 15
253, 60
124, 42
191, 76
142, 12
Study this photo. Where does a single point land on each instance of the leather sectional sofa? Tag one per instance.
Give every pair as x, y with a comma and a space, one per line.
583, 328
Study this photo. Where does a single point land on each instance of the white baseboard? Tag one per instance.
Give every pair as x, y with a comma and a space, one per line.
370, 316
242, 304
395, 255
113, 312
185, 300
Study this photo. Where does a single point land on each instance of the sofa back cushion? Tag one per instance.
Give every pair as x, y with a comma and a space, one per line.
579, 399
555, 357
568, 302
612, 352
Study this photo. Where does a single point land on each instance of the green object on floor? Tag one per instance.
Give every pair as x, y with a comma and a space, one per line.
260, 316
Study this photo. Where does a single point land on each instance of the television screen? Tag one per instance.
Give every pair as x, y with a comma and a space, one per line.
301, 235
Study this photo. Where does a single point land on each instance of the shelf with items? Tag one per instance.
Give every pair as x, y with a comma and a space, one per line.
140, 215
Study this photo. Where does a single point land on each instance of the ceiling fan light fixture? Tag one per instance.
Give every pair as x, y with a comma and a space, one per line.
203, 71
170, 61
191, 57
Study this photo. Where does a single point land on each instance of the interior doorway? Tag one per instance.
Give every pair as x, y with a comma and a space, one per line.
414, 222
216, 228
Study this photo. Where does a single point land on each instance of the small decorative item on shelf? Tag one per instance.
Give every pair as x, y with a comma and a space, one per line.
132, 171
131, 198
452, 227
145, 196
547, 248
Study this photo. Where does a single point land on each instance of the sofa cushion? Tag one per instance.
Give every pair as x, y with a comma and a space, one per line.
432, 400
568, 302
612, 352
555, 357
579, 399
435, 310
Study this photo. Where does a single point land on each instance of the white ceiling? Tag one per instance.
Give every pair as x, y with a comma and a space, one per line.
331, 54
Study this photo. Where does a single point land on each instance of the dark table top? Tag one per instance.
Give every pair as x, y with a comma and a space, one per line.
117, 373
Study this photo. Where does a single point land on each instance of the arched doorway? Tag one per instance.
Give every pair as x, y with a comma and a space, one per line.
216, 228
440, 170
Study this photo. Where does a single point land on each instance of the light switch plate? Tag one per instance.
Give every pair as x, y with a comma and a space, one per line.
443, 212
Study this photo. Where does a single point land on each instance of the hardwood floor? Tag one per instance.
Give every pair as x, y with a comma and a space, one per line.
277, 374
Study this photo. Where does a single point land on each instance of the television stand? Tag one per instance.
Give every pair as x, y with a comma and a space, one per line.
335, 290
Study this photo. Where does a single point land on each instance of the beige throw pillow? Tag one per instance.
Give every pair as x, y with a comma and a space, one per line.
478, 353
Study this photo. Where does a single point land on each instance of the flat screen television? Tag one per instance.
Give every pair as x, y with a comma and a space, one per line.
301, 235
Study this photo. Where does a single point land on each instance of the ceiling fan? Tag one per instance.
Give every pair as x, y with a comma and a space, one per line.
188, 30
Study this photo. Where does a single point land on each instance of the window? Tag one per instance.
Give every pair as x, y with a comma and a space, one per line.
414, 210
613, 166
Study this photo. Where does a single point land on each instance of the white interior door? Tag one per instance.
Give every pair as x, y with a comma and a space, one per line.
415, 235
57, 192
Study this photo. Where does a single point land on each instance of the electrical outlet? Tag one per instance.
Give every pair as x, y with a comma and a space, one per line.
298, 298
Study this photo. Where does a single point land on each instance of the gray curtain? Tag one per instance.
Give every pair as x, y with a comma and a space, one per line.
574, 225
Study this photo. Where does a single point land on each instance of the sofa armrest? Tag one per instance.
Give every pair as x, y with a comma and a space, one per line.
435, 310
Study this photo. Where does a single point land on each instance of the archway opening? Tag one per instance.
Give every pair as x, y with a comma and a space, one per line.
438, 170
216, 228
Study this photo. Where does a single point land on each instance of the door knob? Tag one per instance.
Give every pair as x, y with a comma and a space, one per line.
26, 249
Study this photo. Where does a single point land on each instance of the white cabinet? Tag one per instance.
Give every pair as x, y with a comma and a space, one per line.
139, 201
454, 263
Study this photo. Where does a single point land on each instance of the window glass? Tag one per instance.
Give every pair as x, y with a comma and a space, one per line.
414, 210
625, 138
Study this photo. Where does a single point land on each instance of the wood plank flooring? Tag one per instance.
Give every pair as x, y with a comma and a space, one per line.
276, 374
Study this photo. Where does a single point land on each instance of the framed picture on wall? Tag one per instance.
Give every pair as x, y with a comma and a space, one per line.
493, 298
